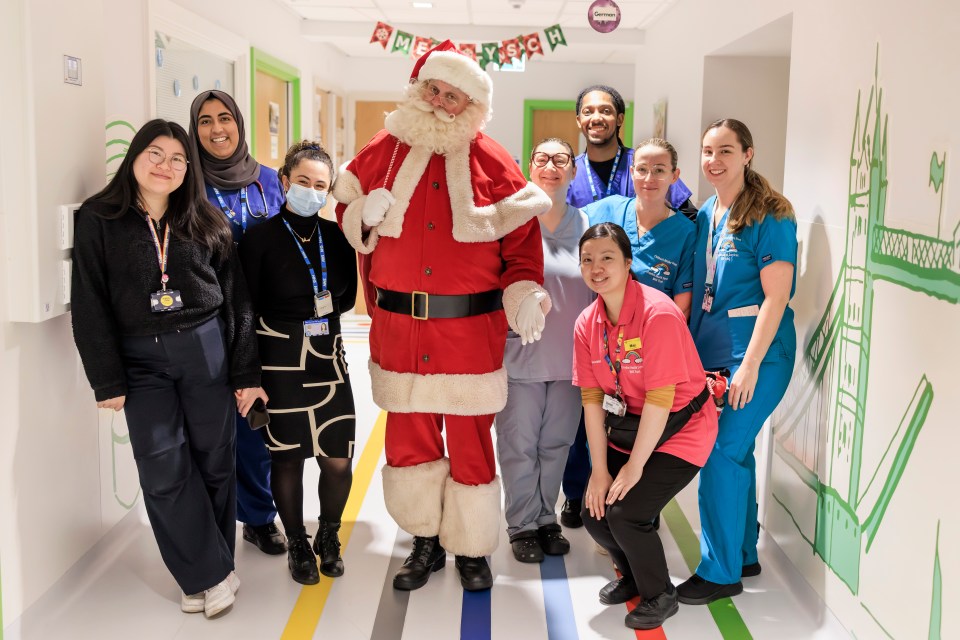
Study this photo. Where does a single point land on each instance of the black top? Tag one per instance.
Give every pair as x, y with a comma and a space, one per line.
603, 168
115, 269
278, 278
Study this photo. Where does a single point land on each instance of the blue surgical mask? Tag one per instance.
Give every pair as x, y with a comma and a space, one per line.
305, 201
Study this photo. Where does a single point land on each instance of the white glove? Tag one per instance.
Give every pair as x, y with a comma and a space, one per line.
375, 207
530, 318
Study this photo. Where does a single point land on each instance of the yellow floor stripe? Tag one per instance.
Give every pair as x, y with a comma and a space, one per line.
306, 612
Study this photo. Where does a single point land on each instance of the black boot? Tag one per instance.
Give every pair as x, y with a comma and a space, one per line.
427, 556
300, 558
327, 547
474, 573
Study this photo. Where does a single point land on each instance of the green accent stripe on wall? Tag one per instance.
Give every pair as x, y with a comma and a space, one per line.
261, 61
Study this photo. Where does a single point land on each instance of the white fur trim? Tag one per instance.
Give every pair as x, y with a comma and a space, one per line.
347, 187
470, 525
408, 177
514, 294
459, 394
460, 71
414, 495
353, 227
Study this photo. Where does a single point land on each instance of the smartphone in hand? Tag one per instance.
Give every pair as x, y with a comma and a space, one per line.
258, 417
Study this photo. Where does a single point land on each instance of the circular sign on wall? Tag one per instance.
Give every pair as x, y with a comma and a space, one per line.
603, 15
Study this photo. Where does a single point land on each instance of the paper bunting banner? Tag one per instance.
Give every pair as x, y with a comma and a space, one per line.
531, 45
402, 42
382, 34
555, 36
468, 49
489, 52
420, 47
511, 49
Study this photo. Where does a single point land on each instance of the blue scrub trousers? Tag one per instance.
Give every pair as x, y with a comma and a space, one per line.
254, 498
576, 473
728, 482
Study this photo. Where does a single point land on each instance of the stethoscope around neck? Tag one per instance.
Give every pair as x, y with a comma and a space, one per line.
244, 206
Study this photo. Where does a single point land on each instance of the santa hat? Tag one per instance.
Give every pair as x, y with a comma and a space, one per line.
446, 64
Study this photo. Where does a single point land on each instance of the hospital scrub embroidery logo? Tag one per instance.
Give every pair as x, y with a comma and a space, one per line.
632, 357
660, 270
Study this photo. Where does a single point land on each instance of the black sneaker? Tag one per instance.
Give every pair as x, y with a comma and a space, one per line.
526, 547
267, 537
696, 590
652, 613
552, 541
618, 591
750, 570
570, 513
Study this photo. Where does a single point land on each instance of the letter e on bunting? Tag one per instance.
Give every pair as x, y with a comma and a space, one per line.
420, 47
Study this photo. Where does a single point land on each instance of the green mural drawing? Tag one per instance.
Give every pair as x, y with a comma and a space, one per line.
936, 600
119, 439
830, 387
119, 135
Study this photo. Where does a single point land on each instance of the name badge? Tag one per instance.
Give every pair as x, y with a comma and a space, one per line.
323, 303
316, 327
707, 300
632, 344
614, 405
165, 300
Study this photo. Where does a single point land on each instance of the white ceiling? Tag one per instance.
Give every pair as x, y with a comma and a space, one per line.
348, 24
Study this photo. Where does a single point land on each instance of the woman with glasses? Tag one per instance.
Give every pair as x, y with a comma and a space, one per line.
247, 193
302, 275
163, 324
538, 423
661, 238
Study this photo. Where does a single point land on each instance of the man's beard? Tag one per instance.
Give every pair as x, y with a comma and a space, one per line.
417, 123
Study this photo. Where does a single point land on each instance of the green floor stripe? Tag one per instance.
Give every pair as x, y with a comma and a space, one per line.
724, 612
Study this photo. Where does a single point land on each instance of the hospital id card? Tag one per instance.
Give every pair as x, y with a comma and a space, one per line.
614, 405
316, 327
323, 303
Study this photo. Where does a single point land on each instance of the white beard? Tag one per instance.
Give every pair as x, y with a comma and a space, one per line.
418, 124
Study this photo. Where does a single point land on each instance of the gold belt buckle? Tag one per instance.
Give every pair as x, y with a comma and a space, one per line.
413, 305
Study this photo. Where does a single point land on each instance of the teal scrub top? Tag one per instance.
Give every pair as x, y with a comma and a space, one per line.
723, 333
663, 256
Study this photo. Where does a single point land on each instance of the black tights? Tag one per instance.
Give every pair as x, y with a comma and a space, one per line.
286, 482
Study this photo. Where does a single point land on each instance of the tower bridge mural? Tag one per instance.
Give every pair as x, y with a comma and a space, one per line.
829, 390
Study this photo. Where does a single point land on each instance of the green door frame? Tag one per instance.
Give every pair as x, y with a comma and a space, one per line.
529, 106
261, 61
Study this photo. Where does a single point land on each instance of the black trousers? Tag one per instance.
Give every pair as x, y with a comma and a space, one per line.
626, 530
180, 415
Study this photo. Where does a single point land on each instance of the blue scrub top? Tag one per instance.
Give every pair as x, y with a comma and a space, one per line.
663, 257
722, 338
266, 189
579, 194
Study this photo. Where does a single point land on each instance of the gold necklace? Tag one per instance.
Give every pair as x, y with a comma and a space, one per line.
308, 238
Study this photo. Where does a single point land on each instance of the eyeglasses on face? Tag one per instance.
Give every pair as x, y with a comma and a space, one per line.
448, 99
657, 173
157, 156
560, 160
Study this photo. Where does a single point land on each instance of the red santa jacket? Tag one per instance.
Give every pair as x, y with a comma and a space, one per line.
463, 222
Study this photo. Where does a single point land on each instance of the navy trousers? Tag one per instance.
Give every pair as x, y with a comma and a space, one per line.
577, 470
255, 504
180, 414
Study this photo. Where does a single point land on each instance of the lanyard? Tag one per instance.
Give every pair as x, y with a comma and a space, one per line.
162, 253
711, 259
614, 367
323, 260
613, 174
244, 206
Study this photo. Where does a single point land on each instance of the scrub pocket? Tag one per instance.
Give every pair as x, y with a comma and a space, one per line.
741, 330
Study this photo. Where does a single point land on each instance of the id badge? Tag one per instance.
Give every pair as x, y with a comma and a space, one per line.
614, 405
323, 303
165, 300
316, 327
707, 299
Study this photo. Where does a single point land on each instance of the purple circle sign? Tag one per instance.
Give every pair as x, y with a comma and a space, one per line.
604, 15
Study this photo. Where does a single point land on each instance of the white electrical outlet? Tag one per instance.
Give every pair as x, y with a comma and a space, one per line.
67, 214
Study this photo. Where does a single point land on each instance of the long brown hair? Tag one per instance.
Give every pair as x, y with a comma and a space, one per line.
757, 198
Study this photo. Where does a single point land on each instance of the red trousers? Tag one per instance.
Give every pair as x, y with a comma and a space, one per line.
416, 438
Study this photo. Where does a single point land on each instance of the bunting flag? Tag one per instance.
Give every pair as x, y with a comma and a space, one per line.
381, 34
555, 36
507, 54
402, 42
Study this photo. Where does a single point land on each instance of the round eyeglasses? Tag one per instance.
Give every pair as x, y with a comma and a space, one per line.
157, 156
560, 160
657, 173
447, 98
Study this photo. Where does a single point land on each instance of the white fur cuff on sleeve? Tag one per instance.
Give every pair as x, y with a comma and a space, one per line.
353, 227
514, 294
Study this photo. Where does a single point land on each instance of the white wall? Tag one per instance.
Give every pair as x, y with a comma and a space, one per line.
887, 588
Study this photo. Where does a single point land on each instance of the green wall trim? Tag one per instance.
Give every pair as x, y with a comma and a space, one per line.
529, 106
262, 61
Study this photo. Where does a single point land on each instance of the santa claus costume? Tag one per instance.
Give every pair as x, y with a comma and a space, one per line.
451, 256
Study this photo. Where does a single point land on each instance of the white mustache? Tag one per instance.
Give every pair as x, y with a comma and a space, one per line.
426, 107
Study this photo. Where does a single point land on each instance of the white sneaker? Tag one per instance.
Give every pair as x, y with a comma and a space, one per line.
217, 599
191, 603
234, 581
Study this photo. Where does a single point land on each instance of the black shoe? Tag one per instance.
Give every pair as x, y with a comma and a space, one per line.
427, 556
618, 591
750, 570
474, 573
300, 559
696, 590
267, 538
327, 547
552, 541
526, 547
570, 514
652, 613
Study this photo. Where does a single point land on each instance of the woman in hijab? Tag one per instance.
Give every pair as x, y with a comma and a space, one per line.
247, 193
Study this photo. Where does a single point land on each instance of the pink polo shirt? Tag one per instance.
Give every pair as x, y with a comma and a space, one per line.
658, 351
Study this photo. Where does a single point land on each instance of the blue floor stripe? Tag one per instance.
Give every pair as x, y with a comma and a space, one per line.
475, 618
558, 604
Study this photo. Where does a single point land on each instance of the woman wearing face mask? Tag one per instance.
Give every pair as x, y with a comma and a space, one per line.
247, 193
302, 275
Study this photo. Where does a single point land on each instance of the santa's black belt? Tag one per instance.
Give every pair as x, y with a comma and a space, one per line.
422, 305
